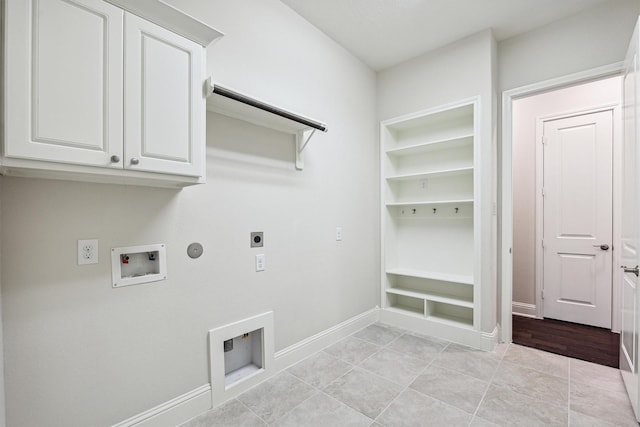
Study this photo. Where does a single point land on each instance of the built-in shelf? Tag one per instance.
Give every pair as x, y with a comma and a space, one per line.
426, 147
433, 275
430, 202
459, 322
410, 311
429, 189
232, 103
438, 173
432, 297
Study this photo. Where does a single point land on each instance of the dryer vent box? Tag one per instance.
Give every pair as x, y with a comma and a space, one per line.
242, 358
135, 265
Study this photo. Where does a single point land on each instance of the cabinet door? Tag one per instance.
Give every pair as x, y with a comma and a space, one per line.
63, 81
164, 100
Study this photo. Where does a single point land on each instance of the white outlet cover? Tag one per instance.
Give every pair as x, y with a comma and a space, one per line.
338, 234
87, 251
260, 262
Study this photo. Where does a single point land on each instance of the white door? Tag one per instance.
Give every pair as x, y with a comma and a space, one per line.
630, 251
64, 74
578, 218
164, 100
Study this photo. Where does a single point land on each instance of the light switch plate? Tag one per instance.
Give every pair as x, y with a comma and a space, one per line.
260, 262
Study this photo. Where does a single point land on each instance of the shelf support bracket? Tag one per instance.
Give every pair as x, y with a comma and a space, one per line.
302, 139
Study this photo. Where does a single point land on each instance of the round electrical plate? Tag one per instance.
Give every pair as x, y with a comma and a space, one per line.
194, 250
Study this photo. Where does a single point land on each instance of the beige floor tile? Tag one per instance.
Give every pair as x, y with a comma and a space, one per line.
504, 406
394, 366
576, 419
276, 396
477, 363
595, 375
321, 410
320, 369
232, 413
363, 391
533, 383
414, 409
379, 334
607, 405
418, 346
456, 389
549, 363
352, 350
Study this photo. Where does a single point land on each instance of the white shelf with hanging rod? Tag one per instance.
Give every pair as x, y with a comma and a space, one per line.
234, 104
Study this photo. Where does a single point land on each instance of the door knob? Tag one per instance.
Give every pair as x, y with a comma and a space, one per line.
115, 159
134, 161
635, 270
603, 247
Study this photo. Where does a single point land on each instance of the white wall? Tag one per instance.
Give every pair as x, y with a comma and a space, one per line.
458, 71
593, 38
78, 352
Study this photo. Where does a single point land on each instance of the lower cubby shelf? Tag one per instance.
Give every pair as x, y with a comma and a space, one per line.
433, 296
433, 311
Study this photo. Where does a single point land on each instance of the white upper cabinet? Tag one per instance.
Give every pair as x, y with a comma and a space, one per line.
93, 92
64, 78
164, 101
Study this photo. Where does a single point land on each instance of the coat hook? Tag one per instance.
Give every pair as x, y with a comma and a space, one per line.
434, 210
456, 210
414, 210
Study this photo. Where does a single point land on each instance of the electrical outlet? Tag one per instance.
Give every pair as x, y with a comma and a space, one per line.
87, 252
338, 234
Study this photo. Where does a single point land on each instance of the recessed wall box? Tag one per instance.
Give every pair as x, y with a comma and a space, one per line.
238, 367
257, 239
135, 265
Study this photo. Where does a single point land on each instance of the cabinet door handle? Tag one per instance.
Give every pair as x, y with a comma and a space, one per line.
603, 247
115, 159
135, 161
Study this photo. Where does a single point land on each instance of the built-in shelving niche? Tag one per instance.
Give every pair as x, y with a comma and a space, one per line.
429, 195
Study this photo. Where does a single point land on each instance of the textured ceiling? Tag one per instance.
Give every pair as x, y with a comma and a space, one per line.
383, 33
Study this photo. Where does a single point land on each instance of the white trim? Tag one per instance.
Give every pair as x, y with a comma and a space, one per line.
524, 309
277, 361
294, 353
200, 400
173, 412
507, 177
220, 392
419, 324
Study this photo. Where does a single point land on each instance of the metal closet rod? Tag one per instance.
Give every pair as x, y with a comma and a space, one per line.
219, 90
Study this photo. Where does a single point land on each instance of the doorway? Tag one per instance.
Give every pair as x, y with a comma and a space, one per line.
521, 284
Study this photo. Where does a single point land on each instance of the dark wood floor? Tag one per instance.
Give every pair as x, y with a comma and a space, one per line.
584, 342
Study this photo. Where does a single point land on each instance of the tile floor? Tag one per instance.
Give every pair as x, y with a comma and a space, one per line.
384, 376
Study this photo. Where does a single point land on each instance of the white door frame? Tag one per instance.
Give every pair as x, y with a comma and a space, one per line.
539, 267
506, 193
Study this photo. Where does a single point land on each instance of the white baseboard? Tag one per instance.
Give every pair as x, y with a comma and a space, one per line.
524, 309
173, 412
194, 403
295, 353
465, 336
